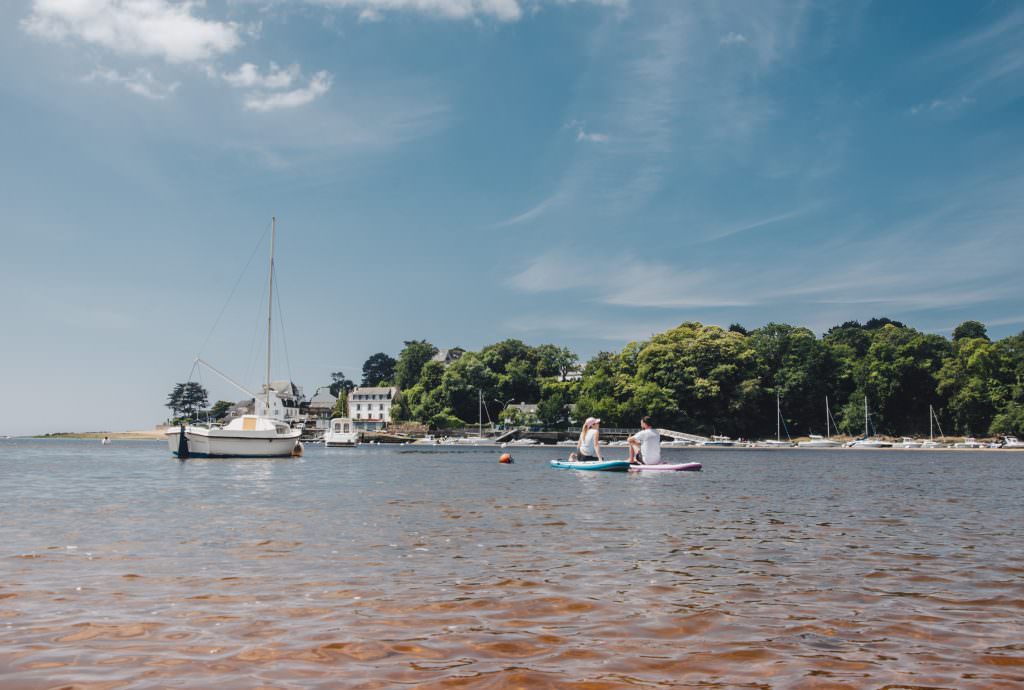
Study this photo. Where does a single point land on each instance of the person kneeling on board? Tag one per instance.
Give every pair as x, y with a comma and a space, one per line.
645, 445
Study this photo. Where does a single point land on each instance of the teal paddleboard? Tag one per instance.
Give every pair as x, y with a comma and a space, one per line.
600, 465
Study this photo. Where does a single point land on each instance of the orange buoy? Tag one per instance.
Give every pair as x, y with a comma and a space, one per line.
505, 459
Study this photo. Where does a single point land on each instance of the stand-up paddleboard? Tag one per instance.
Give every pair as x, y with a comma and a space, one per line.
678, 467
598, 465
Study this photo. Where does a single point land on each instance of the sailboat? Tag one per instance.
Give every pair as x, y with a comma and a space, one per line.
867, 441
249, 436
817, 441
931, 442
777, 442
479, 439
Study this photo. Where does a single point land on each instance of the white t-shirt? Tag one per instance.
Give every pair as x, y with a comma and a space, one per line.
587, 446
650, 446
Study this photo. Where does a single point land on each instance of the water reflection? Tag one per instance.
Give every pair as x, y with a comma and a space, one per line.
377, 567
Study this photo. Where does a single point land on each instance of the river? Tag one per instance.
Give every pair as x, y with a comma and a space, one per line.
383, 567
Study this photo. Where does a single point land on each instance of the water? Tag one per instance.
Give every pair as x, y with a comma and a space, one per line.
379, 567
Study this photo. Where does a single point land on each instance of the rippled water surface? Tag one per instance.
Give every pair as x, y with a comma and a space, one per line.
378, 567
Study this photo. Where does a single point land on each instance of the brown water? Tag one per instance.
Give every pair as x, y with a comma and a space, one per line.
379, 568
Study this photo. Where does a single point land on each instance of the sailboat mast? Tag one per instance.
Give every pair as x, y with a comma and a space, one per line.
778, 416
828, 434
270, 302
480, 413
866, 434
931, 436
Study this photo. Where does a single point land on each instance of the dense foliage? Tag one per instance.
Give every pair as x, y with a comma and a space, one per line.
706, 379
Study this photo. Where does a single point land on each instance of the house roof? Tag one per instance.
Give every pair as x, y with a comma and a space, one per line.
323, 398
374, 390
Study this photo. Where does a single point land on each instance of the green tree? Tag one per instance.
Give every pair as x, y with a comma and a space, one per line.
411, 359
555, 362
970, 329
340, 405
378, 368
974, 379
340, 384
553, 406
1010, 421
465, 382
186, 399
219, 410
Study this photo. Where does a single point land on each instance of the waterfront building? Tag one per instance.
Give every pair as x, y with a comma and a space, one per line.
284, 402
320, 408
369, 407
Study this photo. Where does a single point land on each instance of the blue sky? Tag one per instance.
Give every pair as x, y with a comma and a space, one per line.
581, 172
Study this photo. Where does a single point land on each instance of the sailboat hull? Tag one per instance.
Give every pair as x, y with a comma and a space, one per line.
223, 443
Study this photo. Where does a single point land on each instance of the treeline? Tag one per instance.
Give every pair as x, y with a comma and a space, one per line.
706, 379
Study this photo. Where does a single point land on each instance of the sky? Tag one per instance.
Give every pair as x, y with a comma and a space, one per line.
580, 172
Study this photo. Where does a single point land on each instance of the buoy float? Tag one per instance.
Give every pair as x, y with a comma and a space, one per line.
505, 459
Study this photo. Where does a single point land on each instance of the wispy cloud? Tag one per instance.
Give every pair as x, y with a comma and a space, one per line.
732, 38
148, 28
141, 82
943, 105
895, 269
534, 212
583, 135
319, 84
500, 10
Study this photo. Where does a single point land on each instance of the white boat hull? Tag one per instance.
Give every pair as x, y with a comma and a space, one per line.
223, 443
823, 443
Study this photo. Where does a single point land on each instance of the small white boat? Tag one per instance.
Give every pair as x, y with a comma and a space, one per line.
340, 433
719, 441
869, 443
777, 442
247, 436
932, 444
817, 441
1008, 442
678, 443
969, 443
907, 442
524, 442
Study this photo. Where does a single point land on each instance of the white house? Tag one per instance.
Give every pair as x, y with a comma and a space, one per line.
285, 400
369, 407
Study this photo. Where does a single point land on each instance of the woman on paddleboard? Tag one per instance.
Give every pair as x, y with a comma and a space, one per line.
588, 449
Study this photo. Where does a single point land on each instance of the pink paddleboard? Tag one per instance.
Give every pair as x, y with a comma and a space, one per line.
680, 467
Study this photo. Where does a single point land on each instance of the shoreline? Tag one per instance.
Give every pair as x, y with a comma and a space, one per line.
139, 435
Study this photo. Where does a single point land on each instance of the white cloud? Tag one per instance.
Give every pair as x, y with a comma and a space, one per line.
501, 10
583, 135
732, 38
249, 76
148, 28
141, 82
318, 85
373, 10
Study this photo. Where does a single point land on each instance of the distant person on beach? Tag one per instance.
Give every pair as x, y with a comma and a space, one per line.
645, 445
588, 448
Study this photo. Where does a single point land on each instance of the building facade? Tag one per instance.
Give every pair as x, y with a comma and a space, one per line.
369, 407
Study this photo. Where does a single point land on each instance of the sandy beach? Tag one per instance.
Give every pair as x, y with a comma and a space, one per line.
138, 435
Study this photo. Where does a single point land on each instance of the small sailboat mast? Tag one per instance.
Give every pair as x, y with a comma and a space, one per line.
778, 418
866, 434
270, 302
828, 415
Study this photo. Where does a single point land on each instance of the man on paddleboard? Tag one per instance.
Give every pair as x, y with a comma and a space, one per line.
645, 445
